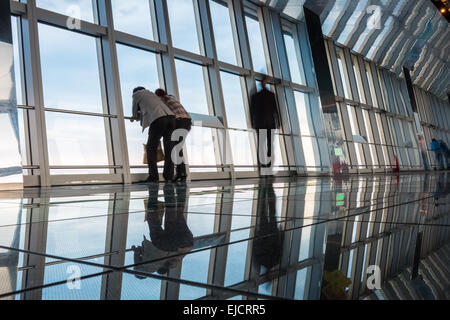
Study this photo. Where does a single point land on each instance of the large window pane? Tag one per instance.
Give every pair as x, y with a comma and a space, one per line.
277, 155
223, 32
200, 148
371, 86
358, 83
17, 60
294, 59
83, 9
355, 132
368, 126
136, 140
90, 290
134, 17
70, 70
191, 83
242, 151
75, 140
234, 103
303, 112
310, 150
300, 284
236, 260
183, 25
22, 139
136, 68
195, 268
19, 90
343, 78
237, 254
256, 44
75, 240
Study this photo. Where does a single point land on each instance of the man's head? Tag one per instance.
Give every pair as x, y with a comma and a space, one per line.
434, 140
138, 89
265, 81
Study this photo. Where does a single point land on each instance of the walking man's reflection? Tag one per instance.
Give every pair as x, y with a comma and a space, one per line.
268, 242
174, 240
442, 189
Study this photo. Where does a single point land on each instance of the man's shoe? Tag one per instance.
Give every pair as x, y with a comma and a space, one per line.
180, 178
181, 175
168, 179
152, 180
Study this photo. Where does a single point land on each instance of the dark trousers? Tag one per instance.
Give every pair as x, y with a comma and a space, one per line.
160, 128
176, 234
185, 124
268, 139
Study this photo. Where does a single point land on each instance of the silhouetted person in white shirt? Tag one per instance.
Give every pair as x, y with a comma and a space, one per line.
152, 112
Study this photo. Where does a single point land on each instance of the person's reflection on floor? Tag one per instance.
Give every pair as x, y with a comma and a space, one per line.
442, 189
173, 241
267, 246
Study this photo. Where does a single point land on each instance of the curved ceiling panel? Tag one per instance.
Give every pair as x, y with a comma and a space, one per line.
392, 33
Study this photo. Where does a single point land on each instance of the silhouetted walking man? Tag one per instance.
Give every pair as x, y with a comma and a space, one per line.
265, 120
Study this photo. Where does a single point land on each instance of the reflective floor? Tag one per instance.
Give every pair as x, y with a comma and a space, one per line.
367, 237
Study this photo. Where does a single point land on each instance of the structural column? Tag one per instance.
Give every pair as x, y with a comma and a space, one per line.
11, 176
419, 129
333, 126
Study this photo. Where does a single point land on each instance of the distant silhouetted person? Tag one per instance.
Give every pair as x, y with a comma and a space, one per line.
442, 189
265, 120
183, 126
436, 148
152, 112
445, 153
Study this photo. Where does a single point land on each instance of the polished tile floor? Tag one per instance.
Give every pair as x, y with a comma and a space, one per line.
363, 237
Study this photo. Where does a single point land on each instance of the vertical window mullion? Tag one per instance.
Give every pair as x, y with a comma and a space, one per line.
114, 95
33, 82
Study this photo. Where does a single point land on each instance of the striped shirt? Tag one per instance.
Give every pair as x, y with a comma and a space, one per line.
176, 107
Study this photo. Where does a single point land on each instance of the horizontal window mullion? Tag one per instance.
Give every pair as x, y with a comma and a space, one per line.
60, 20
18, 8
301, 88
192, 57
230, 68
140, 43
